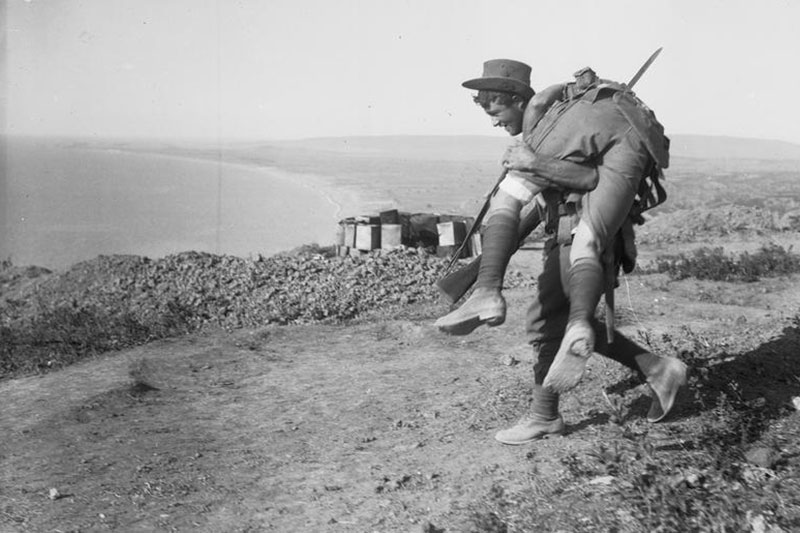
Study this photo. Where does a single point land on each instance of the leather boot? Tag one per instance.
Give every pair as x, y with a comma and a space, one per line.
665, 375
484, 306
576, 348
529, 429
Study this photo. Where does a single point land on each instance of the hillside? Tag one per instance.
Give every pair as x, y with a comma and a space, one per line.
490, 147
375, 421
714, 147
306, 392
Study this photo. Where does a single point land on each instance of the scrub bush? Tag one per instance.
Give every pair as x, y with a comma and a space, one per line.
714, 264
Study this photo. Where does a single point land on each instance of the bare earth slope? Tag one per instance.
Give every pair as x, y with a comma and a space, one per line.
386, 425
383, 424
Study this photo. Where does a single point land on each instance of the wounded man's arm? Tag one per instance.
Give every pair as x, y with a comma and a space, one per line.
538, 106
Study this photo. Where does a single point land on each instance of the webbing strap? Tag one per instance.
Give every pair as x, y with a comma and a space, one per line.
610, 271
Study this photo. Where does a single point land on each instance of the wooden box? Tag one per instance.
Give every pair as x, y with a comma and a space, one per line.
391, 236
349, 235
451, 233
368, 236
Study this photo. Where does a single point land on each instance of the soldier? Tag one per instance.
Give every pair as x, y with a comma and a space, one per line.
587, 146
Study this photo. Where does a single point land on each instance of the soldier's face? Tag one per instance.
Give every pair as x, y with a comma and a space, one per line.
508, 117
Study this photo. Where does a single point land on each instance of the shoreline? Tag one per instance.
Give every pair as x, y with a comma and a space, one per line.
261, 208
317, 184
325, 186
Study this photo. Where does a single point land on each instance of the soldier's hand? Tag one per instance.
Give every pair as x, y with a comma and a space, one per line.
519, 156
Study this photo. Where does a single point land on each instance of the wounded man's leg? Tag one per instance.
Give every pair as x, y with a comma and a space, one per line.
499, 241
586, 284
500, 238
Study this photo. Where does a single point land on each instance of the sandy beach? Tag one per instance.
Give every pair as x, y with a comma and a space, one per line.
346, 190
343, 200
69, 203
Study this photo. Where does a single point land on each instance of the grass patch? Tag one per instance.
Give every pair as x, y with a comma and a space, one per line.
715, 265
60, 335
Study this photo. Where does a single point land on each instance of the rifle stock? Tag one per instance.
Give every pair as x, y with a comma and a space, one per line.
477, 223
455, 284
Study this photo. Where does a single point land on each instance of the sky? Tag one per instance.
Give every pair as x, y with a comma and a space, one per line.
291, 69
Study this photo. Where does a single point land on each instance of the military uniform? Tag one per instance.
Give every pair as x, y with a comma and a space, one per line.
610, 130
593, 156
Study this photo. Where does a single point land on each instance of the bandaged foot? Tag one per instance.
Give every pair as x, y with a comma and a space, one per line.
484, 306
529, 429
576, 348
667, 376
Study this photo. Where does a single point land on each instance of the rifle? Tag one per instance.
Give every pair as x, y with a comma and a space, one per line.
455, 284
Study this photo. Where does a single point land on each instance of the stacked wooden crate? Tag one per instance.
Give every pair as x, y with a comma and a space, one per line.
391, 230
440, 234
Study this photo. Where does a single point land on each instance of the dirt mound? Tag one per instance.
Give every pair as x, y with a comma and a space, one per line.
112, 302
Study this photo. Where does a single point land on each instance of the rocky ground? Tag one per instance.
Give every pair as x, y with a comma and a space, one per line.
51, 319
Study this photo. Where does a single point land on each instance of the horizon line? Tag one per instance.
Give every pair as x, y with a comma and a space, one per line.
233, 139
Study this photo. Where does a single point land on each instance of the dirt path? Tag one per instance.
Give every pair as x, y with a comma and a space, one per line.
383, 425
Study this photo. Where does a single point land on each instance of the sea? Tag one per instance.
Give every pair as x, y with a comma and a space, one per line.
65, 202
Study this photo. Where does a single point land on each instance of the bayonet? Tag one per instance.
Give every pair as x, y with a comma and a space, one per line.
643, 68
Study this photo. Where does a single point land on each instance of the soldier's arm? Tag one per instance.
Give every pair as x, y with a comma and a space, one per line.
555, 172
